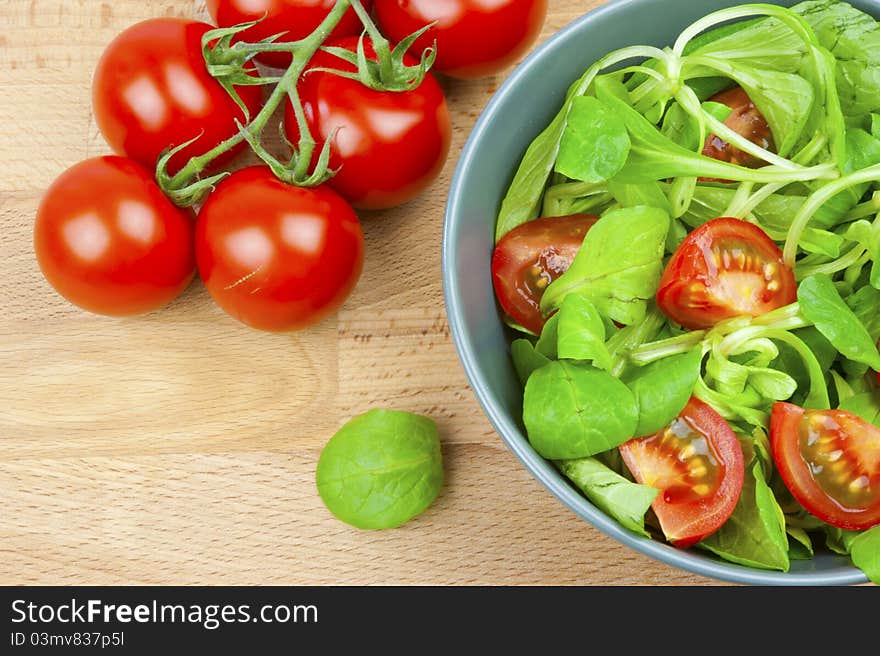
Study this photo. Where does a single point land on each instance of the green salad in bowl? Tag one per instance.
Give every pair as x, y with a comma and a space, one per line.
689, 259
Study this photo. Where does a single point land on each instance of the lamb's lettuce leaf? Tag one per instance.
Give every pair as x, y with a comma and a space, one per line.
754, 535
625, 501
573, 410
853, 37
618, 266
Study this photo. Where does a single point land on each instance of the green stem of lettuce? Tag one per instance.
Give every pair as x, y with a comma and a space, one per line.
862, 210
856, 255
663, 348
816, 201
804, 157
557, 194
740, 198
691, 104
798, 24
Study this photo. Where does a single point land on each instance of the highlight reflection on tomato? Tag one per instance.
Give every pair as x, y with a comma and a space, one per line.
152, 91
277, 257
108, 240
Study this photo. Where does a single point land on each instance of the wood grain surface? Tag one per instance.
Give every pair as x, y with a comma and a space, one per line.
180, 447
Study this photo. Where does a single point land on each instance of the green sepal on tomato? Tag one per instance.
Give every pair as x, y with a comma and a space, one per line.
291, 19
152, 91
387, 146
110, 242
274, 256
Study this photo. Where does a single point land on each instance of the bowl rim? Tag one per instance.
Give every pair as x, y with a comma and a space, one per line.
508, 430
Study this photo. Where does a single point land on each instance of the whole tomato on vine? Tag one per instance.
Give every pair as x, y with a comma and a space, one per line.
274, 256
278, 246
387, 147
474, 38
109, 241
152, 91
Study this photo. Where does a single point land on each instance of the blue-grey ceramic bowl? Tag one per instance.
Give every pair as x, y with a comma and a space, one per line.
521, 108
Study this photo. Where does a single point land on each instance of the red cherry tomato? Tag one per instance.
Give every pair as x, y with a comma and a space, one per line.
697, 464
298, 18
277, 257
390, 145
531, 256
723, 269
474, 38
152, 91
109, 241
746, 120
830, 462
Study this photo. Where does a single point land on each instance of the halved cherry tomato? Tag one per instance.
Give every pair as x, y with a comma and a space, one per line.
745, 119
723, 269
295, 18
474, 38
529, 258
830, 462
388, 146
152, 91
274, 256
109, 241
697, 464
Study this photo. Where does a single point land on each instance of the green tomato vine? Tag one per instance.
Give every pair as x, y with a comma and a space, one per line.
230, 63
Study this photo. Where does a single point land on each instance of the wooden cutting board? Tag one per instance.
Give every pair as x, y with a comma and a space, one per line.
180, 447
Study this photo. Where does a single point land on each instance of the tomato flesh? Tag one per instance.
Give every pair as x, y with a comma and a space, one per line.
530, 257
830, 462
745, 119
723, 269
697, 464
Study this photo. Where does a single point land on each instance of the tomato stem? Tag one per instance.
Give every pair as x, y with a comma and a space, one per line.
227, 62
376, 36
816, 201
178, 187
